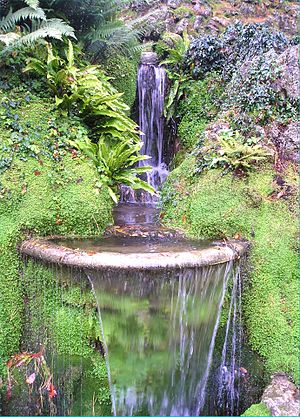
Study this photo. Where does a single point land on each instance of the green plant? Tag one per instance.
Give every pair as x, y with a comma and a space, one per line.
175, 48
232, 153
86, 91
39, 27
116, 164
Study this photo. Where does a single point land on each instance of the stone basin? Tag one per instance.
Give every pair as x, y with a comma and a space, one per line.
134, 248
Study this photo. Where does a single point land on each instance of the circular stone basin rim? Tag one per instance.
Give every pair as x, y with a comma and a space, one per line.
47, 251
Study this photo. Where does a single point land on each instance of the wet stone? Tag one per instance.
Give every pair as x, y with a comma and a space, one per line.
281, 396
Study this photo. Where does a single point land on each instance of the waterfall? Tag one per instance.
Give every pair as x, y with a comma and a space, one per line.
229, 374
160, 330
151, 85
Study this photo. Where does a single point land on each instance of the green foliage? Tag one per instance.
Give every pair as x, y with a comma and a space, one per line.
41, 28
44, 196
253, 91
88, 92
123, 74
232, 152
215, 206
197, 108
97, 25
257, 410
238, 44
205, 55
116, 164
174, 48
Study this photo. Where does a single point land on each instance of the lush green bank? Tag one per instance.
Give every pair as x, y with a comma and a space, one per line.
45, 188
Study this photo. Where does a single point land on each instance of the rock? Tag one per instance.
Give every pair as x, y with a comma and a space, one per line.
204, 11
288, 81
281, 396
182, 25
153, 23
150, 58
173, 3
285, 140
198, 23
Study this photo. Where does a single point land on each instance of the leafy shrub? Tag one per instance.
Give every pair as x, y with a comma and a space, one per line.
205, 55
243, 42
35, 26
252, 90
238, 44
87, 92
231, 153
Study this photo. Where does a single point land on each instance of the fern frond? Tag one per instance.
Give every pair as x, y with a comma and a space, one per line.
9, 21
32, 3
52, 28
9, 37
104, 31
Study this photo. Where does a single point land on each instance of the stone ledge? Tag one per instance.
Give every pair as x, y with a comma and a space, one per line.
47, 251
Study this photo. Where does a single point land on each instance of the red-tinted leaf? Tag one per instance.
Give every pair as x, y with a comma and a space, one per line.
30, 380
37, 173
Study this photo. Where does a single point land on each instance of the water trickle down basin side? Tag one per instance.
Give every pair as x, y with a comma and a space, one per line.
50, 252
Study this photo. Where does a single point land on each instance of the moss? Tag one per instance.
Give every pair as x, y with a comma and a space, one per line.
213, 206
257, 410
41, 195
197, 109
123, 73
183, 11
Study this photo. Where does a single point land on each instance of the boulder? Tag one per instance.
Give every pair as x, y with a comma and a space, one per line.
281, 396
288, 81
285, 139
181, 26
201, 10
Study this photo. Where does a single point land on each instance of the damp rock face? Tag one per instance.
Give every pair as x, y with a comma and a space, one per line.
149, 58
281, 396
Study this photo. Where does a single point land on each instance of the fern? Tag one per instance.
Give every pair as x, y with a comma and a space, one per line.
32, 3
8, 22
52, 28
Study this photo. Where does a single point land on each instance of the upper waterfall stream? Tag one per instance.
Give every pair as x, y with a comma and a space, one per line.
151, 85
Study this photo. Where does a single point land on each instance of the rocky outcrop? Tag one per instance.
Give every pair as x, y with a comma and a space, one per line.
288, 81
213, 17
281, 396
285, 139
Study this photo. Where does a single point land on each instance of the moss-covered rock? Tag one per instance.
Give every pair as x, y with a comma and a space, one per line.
257, 410
123, 73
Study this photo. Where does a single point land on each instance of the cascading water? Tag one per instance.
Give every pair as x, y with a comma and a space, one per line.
160, 332
229, 374
151, 85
